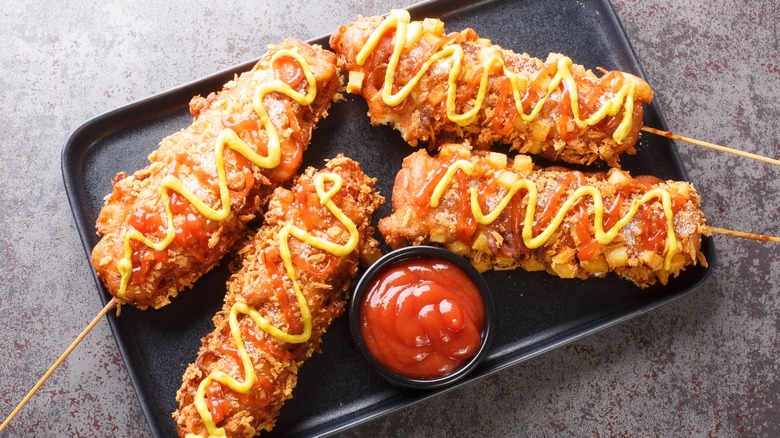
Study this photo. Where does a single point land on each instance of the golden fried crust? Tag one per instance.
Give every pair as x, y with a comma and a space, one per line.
324, 284
500, 245
422, 116
189, 155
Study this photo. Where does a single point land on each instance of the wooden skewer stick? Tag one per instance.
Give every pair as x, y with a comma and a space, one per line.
109, 306
714, 146
761, 237
113, 303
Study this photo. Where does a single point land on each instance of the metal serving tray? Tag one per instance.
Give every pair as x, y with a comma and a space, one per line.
535, 312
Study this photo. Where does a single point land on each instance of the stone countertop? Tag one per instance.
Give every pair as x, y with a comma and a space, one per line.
706, 364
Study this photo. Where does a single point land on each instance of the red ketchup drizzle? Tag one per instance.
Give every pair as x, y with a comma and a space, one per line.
422, 318
143, 258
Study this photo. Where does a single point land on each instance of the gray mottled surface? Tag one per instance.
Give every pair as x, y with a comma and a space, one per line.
704, 365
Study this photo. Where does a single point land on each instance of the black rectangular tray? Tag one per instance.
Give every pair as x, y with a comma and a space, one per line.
536, 312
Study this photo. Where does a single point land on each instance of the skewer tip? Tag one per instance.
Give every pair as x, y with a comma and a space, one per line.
713, 146
752, 236
107, 308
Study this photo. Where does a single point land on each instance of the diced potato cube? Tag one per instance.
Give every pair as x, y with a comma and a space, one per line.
564, 256
565, 270
462, 152
653, 260
438, 235
436, 95
459, 248
682, 189
617, 177
447, 151
496, 160
617, 257
414, 31
504, 263
434, 26
540, 130
481, 243
596, 265
355, 83
532, 265
507, 179
523, 165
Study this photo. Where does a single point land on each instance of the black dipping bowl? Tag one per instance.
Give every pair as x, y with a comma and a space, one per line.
423, 252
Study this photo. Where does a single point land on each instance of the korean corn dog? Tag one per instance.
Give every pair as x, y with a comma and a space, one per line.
442, 87
505, 213
293, 281
169, 223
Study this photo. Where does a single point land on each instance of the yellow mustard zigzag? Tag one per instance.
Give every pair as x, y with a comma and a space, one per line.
228, 138
289, 230
532, 242
399, 20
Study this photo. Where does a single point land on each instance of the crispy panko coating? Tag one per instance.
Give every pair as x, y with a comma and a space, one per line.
638, 251
261, 282
189, 155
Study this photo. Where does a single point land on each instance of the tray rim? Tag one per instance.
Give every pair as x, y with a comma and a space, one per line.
88, 134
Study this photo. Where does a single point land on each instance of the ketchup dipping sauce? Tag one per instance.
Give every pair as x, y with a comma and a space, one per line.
421, 316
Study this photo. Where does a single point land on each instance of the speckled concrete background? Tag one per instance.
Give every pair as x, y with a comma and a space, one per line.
704, 365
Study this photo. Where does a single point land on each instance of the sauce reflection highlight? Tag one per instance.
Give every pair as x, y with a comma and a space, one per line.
422, 318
